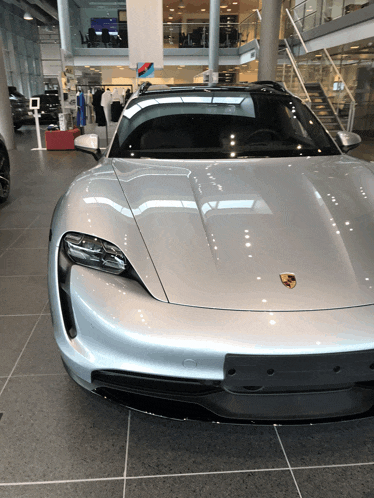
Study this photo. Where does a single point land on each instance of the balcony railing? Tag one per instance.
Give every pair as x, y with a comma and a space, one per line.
196, 35
309, 14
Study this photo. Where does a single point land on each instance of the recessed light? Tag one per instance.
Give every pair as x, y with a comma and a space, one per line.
170, 17
171, 10
228, 10
86, 66
203, 10
356, 47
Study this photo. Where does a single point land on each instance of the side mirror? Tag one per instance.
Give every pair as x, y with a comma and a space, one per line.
347, 140
88, 144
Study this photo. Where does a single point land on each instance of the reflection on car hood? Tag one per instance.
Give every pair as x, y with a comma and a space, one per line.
221, 232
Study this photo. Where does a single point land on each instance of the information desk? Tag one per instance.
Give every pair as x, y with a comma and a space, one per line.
61, 140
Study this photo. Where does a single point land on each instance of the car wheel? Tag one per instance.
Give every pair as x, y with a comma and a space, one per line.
4, 175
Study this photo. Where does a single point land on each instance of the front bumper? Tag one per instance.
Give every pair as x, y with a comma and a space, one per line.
146, 353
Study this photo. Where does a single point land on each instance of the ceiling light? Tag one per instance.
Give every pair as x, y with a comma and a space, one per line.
203, 10
86, 66
224, 6
170, 17
27, 16
171, 10
356, 47
228, 10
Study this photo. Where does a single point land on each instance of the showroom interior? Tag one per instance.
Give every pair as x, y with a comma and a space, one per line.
56, 439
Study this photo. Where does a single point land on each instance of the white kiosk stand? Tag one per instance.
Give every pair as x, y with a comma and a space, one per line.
35, 105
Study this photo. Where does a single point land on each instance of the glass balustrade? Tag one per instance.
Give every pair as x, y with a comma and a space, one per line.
287, 73
250, 28
318, 67
309, 14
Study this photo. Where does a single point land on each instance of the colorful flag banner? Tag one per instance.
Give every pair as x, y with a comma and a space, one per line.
145, 70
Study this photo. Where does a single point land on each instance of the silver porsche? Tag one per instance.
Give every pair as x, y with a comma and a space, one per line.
218, 261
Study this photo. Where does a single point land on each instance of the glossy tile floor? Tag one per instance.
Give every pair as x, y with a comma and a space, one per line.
58, 441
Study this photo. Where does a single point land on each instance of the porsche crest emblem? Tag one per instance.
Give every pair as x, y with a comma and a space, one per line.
288, 280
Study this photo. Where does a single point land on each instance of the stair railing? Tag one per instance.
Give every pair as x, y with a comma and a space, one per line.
297, 31
344, 87
250, 27
325, 72
301, 91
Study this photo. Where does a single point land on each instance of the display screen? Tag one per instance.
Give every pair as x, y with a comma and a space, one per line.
110, 24
35, 103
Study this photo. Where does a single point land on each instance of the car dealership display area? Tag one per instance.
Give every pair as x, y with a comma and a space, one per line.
216, 262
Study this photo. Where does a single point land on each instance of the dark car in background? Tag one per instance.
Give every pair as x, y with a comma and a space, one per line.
20, 108
4, 171
49, 108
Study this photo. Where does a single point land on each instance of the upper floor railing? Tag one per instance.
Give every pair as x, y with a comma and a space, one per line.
309, 14
179, 35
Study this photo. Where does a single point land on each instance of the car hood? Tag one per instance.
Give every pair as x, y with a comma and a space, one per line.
220, 232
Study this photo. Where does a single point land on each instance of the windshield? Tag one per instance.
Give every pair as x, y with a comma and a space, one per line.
202, 126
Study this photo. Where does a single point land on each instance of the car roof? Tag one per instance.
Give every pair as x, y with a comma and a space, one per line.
257, 86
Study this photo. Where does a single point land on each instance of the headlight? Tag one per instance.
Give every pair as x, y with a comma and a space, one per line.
95, 253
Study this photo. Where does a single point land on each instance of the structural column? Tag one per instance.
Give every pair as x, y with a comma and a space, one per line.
64, 24
269, 40
213, 41
6, 120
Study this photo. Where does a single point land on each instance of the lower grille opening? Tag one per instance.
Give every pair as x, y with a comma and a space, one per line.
151, 383
67, 313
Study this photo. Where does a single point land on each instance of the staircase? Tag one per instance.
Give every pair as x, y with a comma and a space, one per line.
286, 75
323, 109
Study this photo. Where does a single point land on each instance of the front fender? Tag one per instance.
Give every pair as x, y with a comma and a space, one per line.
95, 204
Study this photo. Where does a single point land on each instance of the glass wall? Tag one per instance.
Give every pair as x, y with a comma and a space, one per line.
21, 51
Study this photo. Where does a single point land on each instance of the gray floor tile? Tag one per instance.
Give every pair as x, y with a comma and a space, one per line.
41, 355
14, 332
21, 262
53, 430
353, 482
276, 484
7, 237
175, 447
36, 203
44, 220
21, 295
16, 219
93, 489
329, 444
33, 239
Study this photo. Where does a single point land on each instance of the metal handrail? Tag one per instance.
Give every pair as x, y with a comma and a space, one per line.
339, 75
251, 14
296, 69
297, 30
